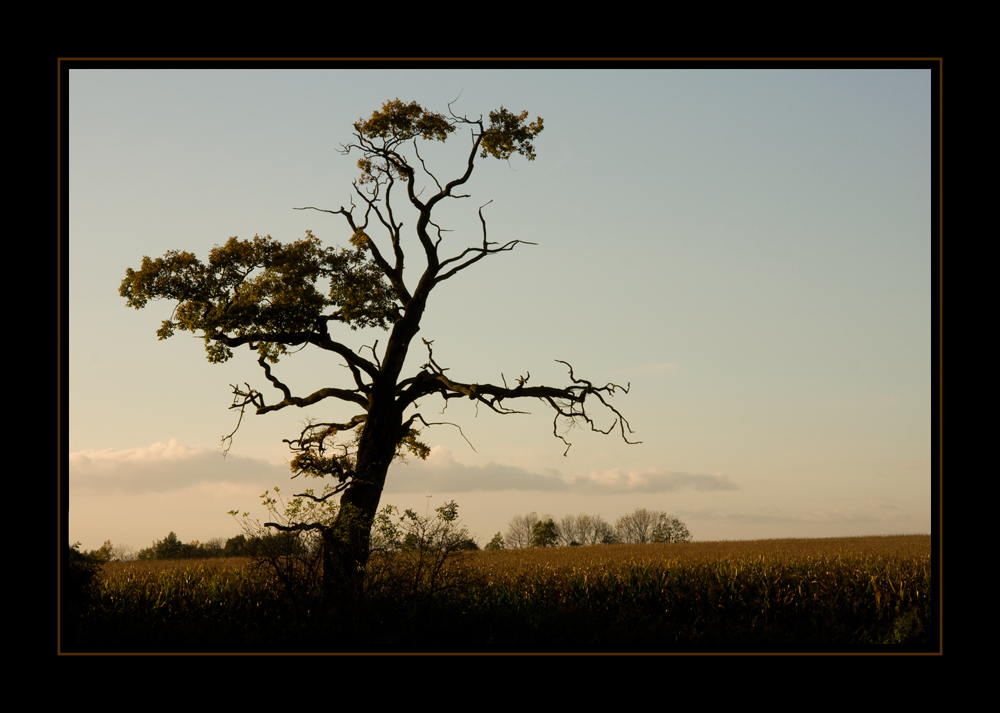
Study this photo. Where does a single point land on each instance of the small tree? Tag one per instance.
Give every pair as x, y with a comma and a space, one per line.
426, 544
545, 533
122, 553
521, 531
496, 543
670, 529
285, 549
235, 547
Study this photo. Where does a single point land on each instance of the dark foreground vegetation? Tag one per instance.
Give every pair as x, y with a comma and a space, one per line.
795, 595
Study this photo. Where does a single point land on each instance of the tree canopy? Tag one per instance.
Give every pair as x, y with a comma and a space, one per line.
273, 297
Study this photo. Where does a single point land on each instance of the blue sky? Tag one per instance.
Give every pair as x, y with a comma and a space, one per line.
750, 249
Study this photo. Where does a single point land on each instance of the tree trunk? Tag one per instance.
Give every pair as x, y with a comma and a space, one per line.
347, 545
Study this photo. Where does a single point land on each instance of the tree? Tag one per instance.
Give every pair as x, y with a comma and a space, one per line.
235, 547
637, 527
594, 530
413, 550
521, 531
670, 529
496, 543
545, 533
169, 548
651, 526
263, 295
79, 589
122, 553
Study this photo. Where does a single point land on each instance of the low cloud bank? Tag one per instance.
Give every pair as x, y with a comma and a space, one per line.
164, 467
168, 467
442, 473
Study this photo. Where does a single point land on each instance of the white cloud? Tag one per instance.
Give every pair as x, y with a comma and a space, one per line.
653, 480
441, 472
164, 467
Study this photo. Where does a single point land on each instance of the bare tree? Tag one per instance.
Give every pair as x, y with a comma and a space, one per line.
637, 527
262, 295
521, 531
569, 532
122, 553
651, 526
594, 530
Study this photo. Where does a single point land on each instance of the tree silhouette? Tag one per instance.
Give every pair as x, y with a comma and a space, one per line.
263, 295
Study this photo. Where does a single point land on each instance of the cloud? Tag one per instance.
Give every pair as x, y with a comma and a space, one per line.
441, 472
169, 467
652, 480
164, 467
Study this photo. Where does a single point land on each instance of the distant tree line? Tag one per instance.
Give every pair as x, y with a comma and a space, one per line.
412, 533
171, 548
416, 533
640, 526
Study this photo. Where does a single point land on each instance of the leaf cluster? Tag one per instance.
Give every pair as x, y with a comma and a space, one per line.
262, 291
545, 533
395, 123
509, 133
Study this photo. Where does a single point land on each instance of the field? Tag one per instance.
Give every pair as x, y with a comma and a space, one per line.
870, 593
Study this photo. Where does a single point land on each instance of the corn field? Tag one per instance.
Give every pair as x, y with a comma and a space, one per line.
816, 594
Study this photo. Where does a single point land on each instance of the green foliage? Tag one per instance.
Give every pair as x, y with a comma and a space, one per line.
397, 122
545, 534
171, 548
670, 529
104, 554
415, 551
440, 533
496, 543
509, 134
236, 547
260, 289
287, 545
394, 124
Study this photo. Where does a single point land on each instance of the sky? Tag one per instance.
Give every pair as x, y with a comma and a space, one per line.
749, 249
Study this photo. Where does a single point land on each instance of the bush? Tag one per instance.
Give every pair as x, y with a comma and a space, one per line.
79, 591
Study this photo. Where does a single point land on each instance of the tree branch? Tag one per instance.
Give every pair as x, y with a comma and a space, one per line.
409, 424
568, 402
482, 251
320, 339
